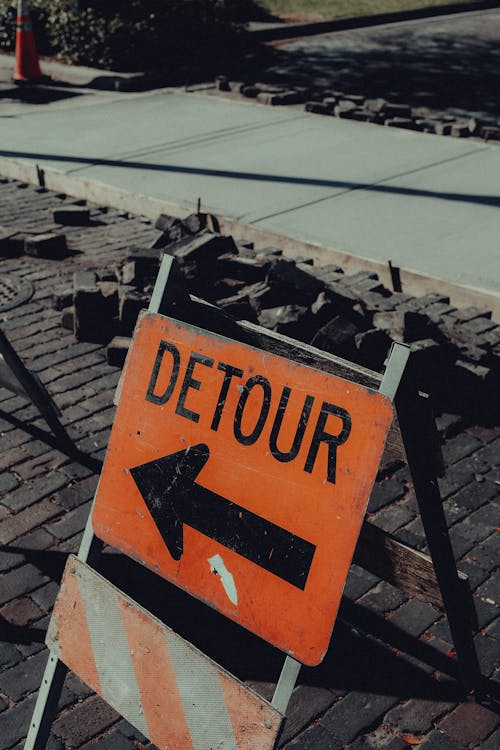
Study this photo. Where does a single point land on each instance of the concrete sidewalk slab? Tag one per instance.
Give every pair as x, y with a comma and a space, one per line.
430, 204
125, 128
432, 221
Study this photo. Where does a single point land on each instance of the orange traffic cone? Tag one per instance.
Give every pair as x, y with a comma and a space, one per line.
27, 67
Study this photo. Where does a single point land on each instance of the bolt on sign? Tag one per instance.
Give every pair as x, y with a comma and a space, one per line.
175, 695
241, 477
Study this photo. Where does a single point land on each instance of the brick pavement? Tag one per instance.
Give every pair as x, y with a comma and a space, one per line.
385, 682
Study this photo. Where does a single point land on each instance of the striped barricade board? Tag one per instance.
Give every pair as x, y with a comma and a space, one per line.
165, 687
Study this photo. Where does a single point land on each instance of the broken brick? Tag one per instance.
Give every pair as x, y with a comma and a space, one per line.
50, 245
75, 216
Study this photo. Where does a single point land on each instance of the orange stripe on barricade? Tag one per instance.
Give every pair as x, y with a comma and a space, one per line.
68, 635
156, 680
250, 726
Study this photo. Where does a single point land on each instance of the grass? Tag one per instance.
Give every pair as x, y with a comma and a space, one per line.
330, 9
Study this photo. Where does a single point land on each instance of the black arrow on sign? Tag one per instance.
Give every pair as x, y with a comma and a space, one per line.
174, 498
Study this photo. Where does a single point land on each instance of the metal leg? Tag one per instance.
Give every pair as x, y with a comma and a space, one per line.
55, 671
286, 684
90, 549
90, 546
160, 287
48, 697
395, 367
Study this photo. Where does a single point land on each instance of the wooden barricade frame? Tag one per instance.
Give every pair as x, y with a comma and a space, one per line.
413, 438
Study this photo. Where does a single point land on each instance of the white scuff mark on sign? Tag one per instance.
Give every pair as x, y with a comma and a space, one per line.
218, 566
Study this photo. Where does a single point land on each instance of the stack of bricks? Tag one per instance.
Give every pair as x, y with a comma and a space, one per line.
355, 106
387, 682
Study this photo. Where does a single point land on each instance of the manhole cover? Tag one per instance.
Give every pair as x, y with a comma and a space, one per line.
13, 292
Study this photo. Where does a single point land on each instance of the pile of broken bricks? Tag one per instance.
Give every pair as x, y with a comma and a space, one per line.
456, 352
355, 106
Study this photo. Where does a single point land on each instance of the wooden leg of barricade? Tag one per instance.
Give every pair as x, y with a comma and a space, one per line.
32, 388
418, 431
417, 427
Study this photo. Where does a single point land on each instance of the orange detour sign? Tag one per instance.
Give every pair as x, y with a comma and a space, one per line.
242, 477
175, 695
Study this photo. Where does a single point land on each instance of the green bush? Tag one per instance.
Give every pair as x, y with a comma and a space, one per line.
7, 26
39, 15
138, 34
